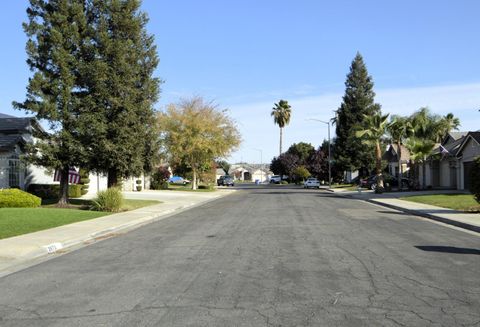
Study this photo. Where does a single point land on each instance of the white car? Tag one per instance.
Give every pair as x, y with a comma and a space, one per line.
311, 183
275, 179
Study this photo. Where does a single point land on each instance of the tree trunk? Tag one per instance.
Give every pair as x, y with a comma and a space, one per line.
112, 179
194, 179
400, 174
281, 136
424, 172
378, 168
63, 193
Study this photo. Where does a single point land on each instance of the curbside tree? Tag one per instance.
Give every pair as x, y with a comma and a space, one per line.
196, 133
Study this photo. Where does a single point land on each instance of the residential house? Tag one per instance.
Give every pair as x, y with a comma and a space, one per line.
468, 150
15, 133
251, 172
391, 156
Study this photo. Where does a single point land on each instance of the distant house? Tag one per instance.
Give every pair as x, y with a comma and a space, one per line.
391, 156
251, 172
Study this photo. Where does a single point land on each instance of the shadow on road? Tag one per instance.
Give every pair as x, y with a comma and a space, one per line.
447, 249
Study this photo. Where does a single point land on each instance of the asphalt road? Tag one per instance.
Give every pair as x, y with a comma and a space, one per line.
272, 256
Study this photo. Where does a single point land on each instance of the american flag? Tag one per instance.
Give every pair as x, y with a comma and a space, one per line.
73, 176
443, 150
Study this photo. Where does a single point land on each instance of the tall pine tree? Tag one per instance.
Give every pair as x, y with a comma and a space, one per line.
119, 68
55, 30
350, 153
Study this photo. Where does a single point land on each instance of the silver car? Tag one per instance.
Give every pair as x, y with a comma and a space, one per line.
311, 183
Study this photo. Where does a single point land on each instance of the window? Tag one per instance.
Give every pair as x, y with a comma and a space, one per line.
14, 173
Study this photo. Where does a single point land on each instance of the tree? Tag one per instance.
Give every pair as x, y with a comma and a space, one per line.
475, 185
196, 133
371, 132
301, 173
302, 150
118, 66
318, 164
358, 102
56, 30
419, 149
281, 116
400, 128
224, 165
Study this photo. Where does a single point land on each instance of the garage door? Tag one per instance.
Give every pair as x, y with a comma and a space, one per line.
467, 174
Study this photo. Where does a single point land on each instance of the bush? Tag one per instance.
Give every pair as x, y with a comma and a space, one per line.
160, 179
110, 200
84, 180
138, 181
139, 188
15, 198
284, 182
50, 191
205, 187
475, 178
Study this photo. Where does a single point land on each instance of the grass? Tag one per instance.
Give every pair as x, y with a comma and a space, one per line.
18, 221
187, 188
349, 187
461, 202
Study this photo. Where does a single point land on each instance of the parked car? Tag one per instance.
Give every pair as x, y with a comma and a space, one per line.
275, 179
311, 182
225, 181
178, 180
388, 181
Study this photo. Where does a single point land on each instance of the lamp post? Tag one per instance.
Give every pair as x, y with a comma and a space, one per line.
329, 152
261, 163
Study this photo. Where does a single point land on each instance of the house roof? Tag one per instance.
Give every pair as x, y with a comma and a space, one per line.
5, 116
457, 135
451, 147
470, 136
8, 142
15, 125
393, 149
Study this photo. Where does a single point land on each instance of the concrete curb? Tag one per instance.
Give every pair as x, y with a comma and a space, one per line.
448, 221
43, 252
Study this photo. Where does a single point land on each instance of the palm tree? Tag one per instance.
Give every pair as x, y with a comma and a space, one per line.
445, 125
372, 131
400, 128
419, 149
281, 116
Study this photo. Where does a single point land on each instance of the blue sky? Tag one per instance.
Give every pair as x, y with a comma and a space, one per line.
246, 55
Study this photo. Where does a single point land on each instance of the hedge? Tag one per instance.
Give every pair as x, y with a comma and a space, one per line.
15, 198
50, 191
475, 185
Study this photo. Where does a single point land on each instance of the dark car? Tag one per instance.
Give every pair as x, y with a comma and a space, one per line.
388, 181
225, 181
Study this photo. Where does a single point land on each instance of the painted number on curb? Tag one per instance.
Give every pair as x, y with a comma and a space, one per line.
54, 247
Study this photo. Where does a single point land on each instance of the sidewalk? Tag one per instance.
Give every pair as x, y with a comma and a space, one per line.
470, 221
19, 251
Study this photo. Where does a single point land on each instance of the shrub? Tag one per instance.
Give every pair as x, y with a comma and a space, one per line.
139, 188
205, 187
475, 178
284, 182
15, 198
138, 181
84, 180
50, 191
160, 179
110, 200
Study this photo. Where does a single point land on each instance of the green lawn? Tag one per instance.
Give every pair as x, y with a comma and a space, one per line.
187, 188
349, 187
18, 221
462, 202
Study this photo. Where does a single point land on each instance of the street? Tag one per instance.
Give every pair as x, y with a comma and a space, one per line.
265, 256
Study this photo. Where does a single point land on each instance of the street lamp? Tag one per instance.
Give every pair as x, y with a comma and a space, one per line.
329, 152
261, 163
